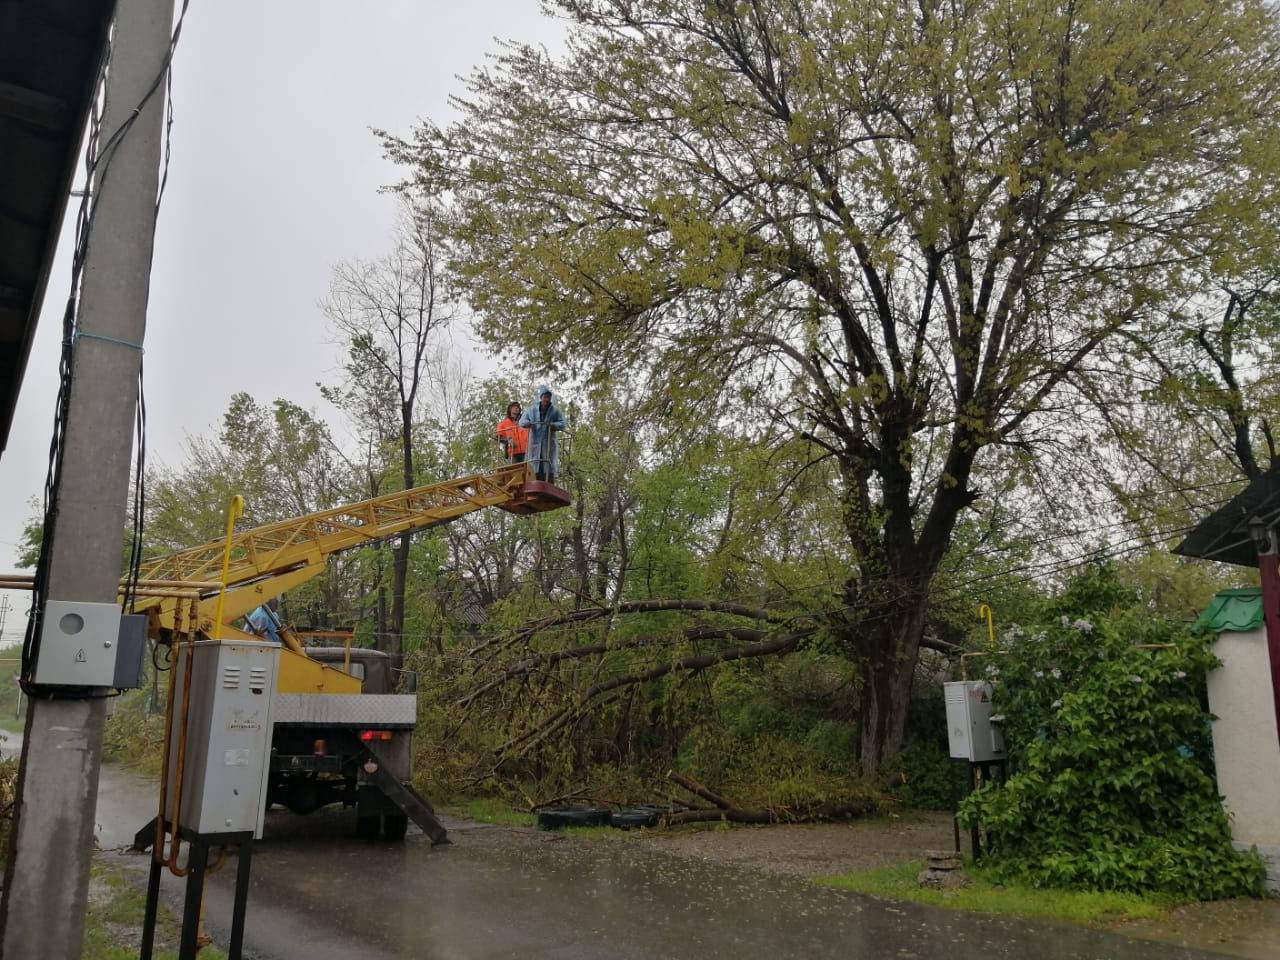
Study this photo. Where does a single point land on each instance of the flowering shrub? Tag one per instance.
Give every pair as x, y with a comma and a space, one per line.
1110, 774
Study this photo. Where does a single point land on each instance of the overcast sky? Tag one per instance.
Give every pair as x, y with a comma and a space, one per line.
273, 180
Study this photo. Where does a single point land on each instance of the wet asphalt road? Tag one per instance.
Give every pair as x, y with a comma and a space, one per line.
497, 892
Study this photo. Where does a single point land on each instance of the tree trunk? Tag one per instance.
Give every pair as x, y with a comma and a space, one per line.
400, 557
885, 670
380, 642
399, 580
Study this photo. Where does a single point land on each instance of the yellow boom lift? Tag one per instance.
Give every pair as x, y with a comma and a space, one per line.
340, 735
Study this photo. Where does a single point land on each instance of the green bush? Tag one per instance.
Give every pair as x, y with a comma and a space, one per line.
774, 721
931, 780
133, 734
928, 777
1111, 782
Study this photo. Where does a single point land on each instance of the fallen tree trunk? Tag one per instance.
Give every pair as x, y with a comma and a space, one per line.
726, 809
697, 789
730, 814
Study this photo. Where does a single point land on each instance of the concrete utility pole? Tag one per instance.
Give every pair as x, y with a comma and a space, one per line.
47, 880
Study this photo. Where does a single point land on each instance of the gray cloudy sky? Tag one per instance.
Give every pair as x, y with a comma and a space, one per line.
273, 180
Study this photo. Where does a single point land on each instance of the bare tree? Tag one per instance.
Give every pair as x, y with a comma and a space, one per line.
390, 314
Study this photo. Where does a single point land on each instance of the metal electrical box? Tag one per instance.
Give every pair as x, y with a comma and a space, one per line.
970, 733
227, 750
78, 644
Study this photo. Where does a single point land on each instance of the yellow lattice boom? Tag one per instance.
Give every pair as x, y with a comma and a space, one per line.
267, 560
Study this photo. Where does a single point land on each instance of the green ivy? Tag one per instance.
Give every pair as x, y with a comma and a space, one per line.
1111, 782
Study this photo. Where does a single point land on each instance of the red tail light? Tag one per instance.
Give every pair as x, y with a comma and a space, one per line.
375, 735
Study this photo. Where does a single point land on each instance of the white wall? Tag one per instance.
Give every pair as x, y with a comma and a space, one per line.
1245, 744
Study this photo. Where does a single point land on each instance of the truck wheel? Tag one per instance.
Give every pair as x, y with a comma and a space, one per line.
394, 827
367, 827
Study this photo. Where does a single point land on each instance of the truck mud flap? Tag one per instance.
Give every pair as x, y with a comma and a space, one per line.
407, 799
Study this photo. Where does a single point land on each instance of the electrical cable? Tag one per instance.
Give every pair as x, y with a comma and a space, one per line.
98, 160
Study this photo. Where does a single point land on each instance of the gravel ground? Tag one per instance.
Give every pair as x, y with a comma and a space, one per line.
1238, 928
814, 850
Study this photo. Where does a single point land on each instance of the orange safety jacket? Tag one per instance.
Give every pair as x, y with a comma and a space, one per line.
517, 436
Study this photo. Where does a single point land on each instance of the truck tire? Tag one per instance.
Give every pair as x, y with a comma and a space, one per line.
367, 827
394, 827
634, 817
557, 817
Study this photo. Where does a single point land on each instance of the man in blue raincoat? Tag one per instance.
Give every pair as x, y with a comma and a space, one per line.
543, 421
265, 622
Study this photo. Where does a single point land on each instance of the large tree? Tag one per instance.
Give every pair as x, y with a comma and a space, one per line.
903, 231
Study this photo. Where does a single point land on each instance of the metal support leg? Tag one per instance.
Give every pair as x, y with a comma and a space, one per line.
241, 899
198, 858
149, 916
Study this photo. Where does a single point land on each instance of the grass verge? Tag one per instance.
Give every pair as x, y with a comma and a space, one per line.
12, 715
113, 923
490, 810
984, 896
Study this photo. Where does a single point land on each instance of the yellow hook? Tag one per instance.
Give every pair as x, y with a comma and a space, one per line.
984, 612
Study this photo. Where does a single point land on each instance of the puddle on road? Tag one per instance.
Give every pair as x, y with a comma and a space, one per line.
501, 892
317, 893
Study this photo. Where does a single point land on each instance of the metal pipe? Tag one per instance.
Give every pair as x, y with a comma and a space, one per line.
22, 581
234, 510
157, 846
175, 844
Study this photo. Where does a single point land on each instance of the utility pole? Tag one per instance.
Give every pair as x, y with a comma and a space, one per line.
47, 877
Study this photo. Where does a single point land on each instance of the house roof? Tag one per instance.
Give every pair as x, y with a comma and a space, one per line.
1224, 534
1238, 610
50, 55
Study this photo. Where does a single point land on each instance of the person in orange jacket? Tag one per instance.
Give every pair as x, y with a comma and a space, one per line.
513, 437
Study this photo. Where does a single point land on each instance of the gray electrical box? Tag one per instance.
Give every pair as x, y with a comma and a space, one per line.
227, 751
77, 644
129, 651
970, 733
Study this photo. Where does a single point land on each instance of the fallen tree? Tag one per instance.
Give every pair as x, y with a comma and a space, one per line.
539, 692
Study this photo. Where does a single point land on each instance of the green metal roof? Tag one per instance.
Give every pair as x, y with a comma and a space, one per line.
1235, 610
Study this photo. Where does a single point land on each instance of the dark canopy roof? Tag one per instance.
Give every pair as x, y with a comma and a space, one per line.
50, 51
1224, 534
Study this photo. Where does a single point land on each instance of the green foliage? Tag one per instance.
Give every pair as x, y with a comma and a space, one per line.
279, 457
134, 733
771, 720
31, 538
931, 779
911, 236
13, 713
8, 788
1111, 783
927, 776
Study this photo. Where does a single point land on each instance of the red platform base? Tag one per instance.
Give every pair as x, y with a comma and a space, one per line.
537, 496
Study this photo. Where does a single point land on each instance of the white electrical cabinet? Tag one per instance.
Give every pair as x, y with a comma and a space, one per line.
970, 733
222, 782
